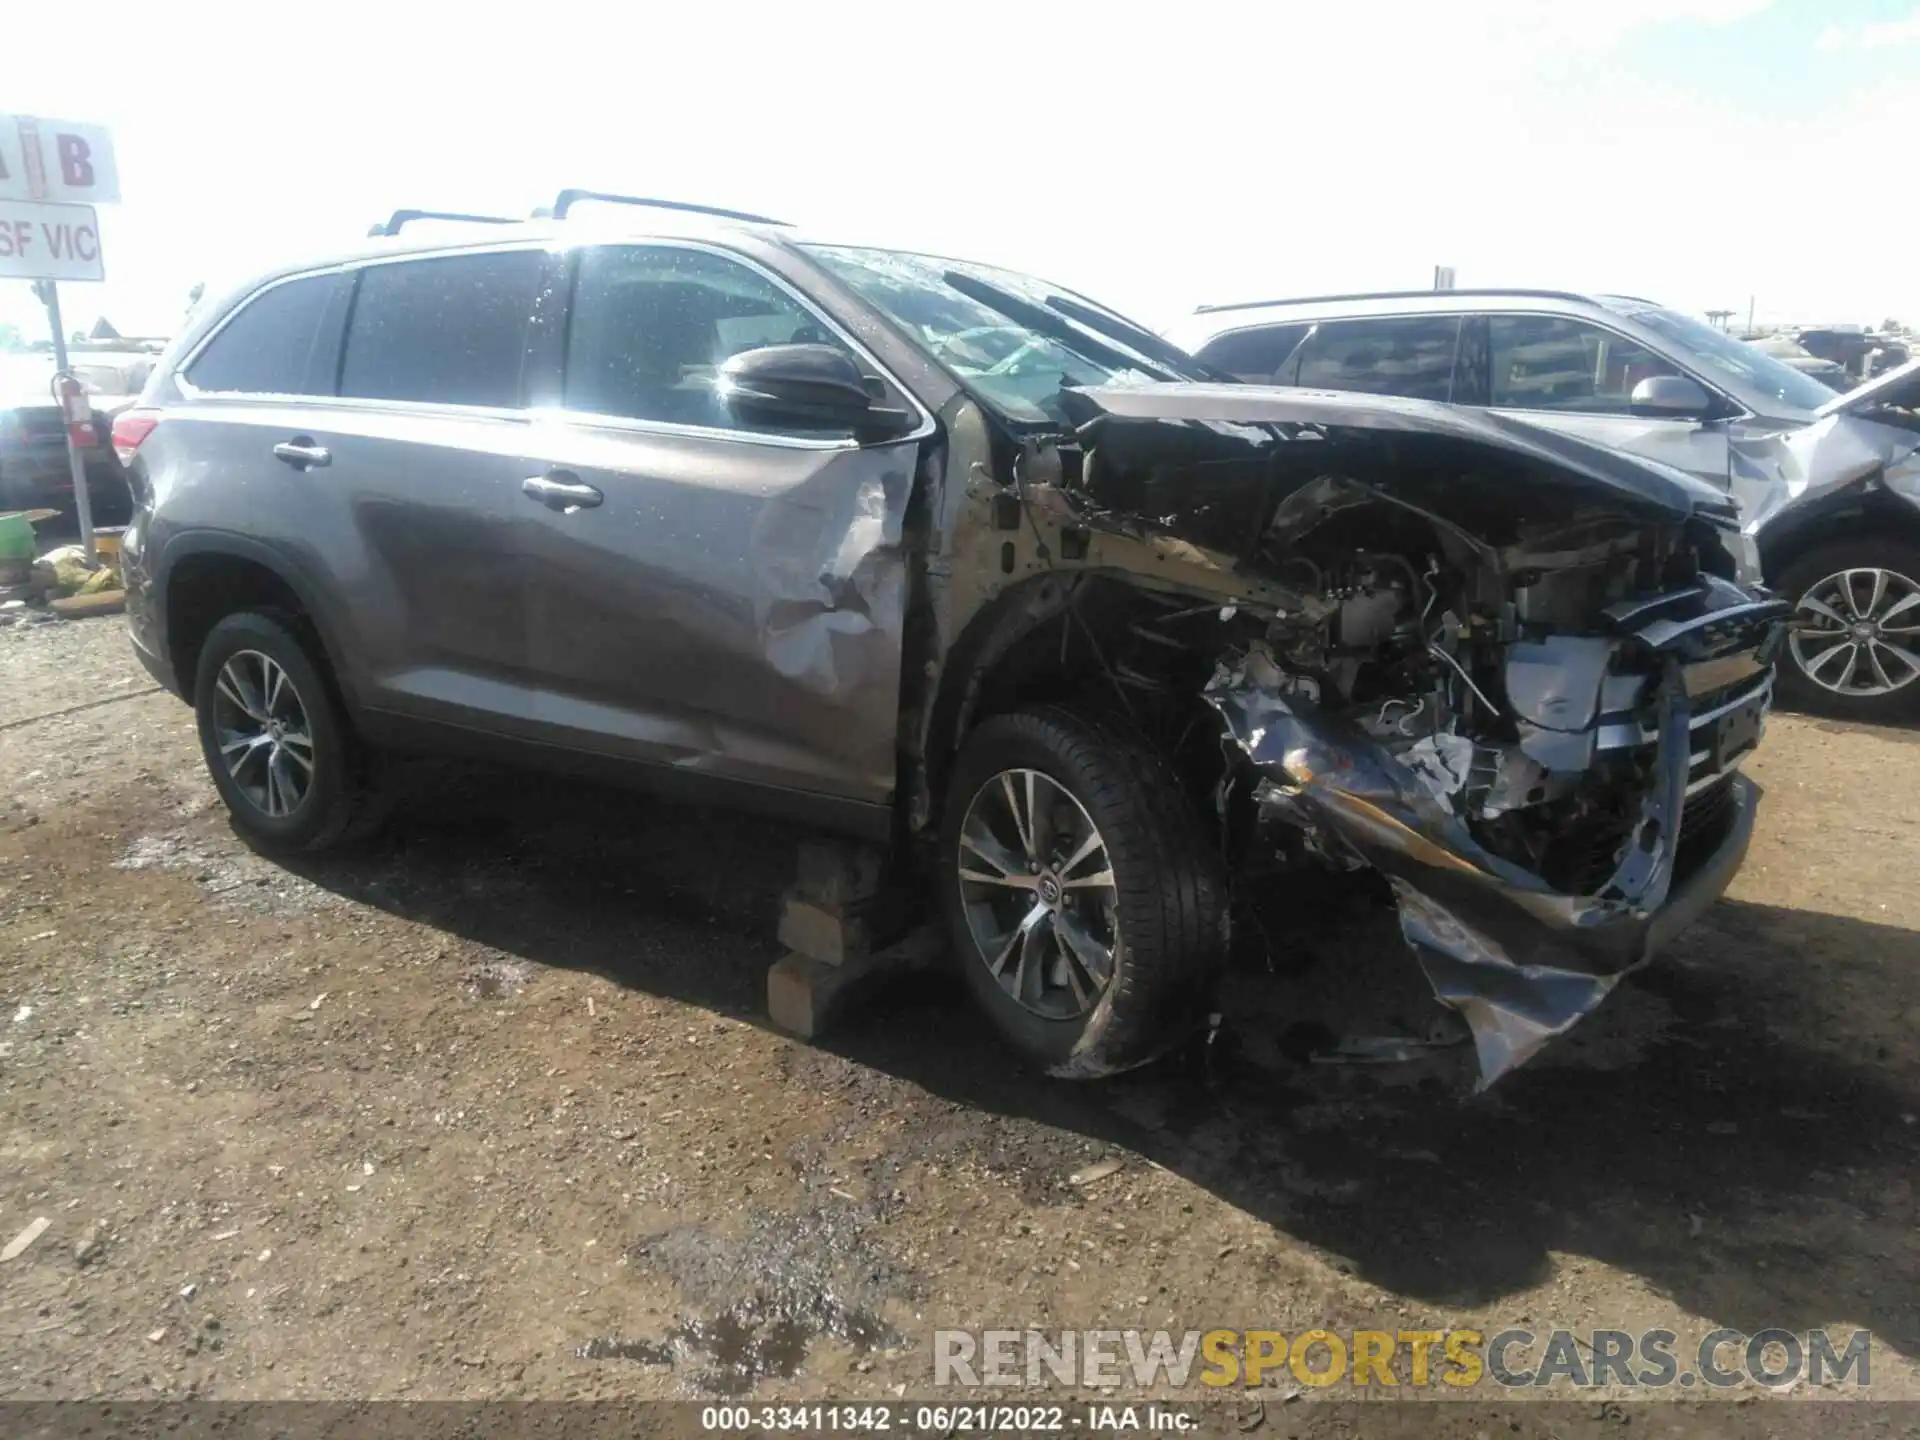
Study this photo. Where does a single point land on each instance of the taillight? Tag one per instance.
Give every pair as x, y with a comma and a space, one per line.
129, 429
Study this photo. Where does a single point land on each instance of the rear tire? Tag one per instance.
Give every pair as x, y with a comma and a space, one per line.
1107, 805
1837, 676
276, 738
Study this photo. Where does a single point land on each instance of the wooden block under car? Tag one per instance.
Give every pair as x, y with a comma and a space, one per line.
831, 936
805, 996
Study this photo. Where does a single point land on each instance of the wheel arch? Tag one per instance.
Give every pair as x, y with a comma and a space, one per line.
1051, 638
1858, 514
973, 660
204, 575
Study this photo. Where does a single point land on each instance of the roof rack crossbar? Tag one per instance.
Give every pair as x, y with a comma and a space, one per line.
395, 222
566, 200
1386, 295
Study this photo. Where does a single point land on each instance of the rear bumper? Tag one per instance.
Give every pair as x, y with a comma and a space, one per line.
156, 665
146, 618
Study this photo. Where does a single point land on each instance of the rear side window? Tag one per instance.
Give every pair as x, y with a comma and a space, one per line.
1411, 356
449, 331
265, 349
1256, 356
1549, 362
651, 325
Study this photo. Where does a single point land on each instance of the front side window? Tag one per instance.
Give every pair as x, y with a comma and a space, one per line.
1720, 356
1015, 341
1258, 357
266, 347
446, 331
1407, 355
1549, 362
651, 325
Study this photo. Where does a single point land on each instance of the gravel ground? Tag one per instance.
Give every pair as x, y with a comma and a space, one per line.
490, 1110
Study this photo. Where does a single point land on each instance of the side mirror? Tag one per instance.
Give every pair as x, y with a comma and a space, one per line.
806, 387
1670, 397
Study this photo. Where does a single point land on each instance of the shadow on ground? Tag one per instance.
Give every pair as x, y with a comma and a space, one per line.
1715, 1130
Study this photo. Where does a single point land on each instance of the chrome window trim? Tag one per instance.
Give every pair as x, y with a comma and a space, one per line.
423, 409
628, 424
555, 414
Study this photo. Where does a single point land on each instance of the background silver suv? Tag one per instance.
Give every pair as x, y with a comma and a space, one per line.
1836, 524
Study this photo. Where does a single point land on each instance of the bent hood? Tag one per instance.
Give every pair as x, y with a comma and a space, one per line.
1460, 443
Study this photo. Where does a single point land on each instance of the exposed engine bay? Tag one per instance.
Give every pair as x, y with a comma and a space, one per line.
1446, 647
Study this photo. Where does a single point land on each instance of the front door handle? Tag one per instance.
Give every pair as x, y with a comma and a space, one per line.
561, 490
302, 454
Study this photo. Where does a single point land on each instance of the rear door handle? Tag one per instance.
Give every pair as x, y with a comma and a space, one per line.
561, 490
302, 454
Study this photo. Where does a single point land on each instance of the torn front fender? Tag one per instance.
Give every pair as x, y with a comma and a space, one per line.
1777, 476
1864, 439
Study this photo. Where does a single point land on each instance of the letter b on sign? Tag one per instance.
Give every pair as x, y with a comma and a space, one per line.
76, 160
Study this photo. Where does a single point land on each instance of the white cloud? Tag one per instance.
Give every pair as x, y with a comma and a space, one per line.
1594, 28
1876, 36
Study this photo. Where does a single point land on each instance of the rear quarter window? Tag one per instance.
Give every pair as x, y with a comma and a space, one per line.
1406, 355
1256, 356
267, 347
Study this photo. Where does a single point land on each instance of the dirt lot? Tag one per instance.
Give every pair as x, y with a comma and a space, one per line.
489, 1110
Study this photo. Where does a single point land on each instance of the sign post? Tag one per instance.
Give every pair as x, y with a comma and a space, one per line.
51, 174
49, 293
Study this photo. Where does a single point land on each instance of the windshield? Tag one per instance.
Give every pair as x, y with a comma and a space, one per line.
1733, 362
1014, 341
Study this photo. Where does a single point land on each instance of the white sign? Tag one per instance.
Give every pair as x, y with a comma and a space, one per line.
49, 242
60, 160
1443, 277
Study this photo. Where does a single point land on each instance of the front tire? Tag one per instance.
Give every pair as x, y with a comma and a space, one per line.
1854, 649
1082, 897
276, 740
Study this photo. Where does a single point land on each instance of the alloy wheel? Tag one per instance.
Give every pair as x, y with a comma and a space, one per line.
265, 739
1857, 632
1038, 890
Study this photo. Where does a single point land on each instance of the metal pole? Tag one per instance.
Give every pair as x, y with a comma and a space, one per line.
76, 462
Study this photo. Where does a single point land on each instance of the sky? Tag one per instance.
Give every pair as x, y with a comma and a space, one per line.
1706, 153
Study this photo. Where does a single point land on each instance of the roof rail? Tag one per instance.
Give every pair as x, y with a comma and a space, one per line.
1388, 295
566, 200
395, 222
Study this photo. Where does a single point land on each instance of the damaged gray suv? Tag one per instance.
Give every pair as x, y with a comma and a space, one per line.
966, 563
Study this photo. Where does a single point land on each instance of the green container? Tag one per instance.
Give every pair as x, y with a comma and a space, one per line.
16, 537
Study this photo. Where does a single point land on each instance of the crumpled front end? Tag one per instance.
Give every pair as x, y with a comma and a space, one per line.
1519, 955
1514, 676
